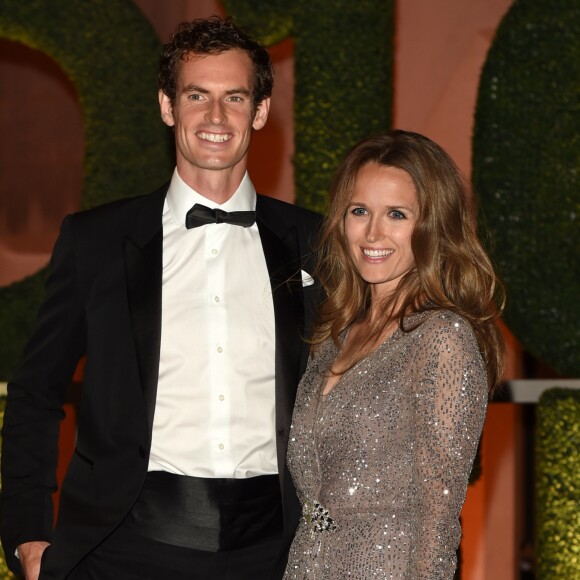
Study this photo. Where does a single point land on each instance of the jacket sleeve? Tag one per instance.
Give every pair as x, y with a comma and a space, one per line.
449, 409
34, 406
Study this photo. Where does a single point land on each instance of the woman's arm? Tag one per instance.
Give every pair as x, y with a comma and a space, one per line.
449, 409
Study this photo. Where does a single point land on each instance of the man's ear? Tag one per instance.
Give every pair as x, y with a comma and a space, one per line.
261, 114
166, 109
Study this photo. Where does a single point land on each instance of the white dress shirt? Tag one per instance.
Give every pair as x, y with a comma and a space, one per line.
215, 408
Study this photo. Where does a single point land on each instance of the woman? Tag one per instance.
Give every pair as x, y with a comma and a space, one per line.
390, 411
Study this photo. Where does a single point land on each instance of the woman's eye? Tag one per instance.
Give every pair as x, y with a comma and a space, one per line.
398, 215
359, 211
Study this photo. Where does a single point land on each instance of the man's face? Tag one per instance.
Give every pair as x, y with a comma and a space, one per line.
213, 114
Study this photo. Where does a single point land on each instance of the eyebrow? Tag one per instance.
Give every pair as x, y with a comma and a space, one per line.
197, 89
389, 207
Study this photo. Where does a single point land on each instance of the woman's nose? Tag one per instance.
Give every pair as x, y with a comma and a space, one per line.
374, 231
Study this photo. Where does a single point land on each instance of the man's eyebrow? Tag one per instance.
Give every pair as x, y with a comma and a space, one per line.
240, 91
191, 88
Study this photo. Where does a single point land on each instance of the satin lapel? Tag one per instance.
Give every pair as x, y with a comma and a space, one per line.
282, 258
143, 250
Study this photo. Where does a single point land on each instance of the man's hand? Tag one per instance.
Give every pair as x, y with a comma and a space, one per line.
30, 554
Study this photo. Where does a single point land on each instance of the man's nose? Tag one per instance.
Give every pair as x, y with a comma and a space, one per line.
216, 113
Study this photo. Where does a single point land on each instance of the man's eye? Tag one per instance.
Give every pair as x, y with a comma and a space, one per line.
194, 97
235, 99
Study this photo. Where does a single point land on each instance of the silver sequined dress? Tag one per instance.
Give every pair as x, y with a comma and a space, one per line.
387, 454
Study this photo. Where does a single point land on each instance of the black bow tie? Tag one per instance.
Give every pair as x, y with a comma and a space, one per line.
200, 215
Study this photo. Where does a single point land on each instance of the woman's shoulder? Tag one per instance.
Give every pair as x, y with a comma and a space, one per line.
439, 324
446, 338
322, 355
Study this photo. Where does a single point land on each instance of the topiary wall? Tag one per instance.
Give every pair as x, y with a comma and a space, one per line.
557, 485
343, 70
526, 167
5, 574
110, 52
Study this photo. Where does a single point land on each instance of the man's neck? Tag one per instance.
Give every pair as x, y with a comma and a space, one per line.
215, 185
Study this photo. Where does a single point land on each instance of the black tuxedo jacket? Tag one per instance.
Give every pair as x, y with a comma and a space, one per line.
103, 299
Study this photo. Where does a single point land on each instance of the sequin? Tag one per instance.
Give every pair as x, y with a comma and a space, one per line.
388, 453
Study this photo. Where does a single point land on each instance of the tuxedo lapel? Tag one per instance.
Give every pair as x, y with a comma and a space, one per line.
288, 309
143, 253
282, 253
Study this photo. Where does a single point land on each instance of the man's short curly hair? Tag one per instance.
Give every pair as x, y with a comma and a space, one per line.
211, 36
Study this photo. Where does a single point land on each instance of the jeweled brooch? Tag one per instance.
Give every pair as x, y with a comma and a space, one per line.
317, 518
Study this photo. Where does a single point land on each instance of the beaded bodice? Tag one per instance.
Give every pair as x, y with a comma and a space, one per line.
381, 463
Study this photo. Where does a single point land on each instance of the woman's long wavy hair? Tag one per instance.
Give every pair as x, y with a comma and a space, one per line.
452, 270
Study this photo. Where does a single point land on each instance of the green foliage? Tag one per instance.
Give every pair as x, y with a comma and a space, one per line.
557, 479
343, 71
5, 574
526, 167
110, 52
19, 303
269, 21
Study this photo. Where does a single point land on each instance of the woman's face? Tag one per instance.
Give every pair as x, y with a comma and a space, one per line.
378, 225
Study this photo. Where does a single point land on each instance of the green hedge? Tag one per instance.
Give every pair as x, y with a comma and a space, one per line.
5, 574
526, 167
110, 52
558, 485
343, 70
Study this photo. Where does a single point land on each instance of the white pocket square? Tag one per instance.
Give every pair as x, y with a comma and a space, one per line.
307, 279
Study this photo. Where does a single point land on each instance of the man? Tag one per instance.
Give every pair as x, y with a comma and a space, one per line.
193, 323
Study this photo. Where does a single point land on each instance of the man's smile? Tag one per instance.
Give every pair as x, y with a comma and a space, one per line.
214, 137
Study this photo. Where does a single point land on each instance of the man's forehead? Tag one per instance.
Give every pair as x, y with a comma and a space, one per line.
229, 70
197, 56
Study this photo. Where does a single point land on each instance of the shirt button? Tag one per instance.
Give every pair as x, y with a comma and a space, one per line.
214, 252
221, 397
216, 298
220, 349
221, 445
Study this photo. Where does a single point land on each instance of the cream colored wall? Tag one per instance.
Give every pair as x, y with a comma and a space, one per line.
441, 47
